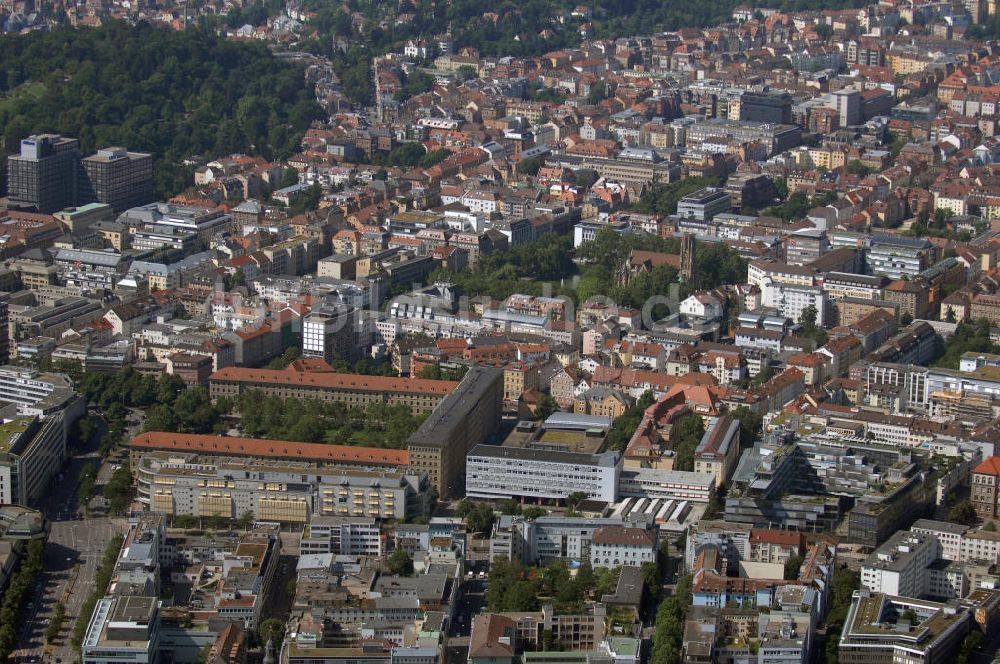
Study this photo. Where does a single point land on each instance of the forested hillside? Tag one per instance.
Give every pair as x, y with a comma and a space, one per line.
512, 28
153, 89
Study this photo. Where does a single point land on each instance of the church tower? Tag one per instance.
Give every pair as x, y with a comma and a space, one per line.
687, 257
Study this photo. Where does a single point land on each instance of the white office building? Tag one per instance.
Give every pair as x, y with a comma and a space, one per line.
587, 230
704, 204
949, 536
899, 566
205, 222
27, 387
546, 538
791, 299
654, 483
123, 630
499, 472
895, 256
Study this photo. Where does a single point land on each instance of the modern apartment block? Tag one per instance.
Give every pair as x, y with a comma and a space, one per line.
342, 535
792, 299
284, 491
895, 256
910, 380
806, 245
40, 393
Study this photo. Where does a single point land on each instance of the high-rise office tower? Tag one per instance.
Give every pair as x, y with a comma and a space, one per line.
115, 176
329, 333
49, 175
42, 177
849, 104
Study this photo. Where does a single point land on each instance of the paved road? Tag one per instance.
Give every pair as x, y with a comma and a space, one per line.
471, 603
74, 548
456, 654
988, 652
279, 603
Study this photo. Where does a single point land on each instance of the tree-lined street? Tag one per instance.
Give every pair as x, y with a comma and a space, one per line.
75, 544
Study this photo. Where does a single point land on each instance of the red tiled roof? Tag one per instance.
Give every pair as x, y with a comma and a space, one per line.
309, 364
638, 257
990, 466
487, 630
272, 449
785, 537
616, 535
247, 601
807, 360
249, 334
335, 381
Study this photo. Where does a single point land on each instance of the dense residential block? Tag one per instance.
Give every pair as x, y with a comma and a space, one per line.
710, 308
